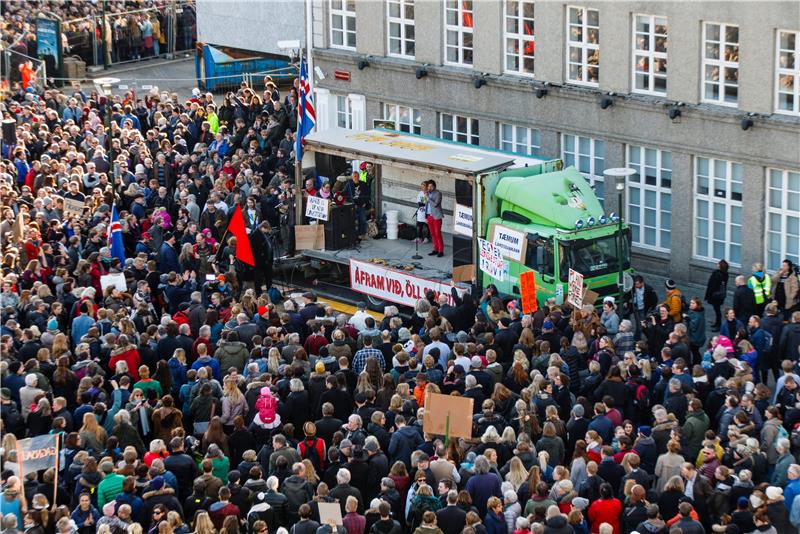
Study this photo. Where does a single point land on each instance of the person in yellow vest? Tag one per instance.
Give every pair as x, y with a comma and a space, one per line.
761, 284
673, 301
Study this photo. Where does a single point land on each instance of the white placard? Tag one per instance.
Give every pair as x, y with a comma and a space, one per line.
317, 208
575, 292
395, 286
491, 262
117, 280
510, 242
462, 220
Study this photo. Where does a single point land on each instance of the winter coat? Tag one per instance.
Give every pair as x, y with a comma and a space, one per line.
605, 511
128, 435
232, 354
495, 524
557, 525
696, 327
667, 466
694, 431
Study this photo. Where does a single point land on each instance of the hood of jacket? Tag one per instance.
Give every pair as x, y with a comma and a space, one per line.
384, 526
654, 525
558, 521
232, 347
156, 493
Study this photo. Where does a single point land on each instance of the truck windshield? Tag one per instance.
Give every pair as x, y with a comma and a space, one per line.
592, 257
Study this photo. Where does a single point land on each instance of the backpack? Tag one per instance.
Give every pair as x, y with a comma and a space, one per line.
765, 344
641, 397
310, 452
782, 433
267, 406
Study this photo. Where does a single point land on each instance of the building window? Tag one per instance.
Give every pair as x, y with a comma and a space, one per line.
718, 210
458, 32
583, 45
783, 217
343, 24
650, 54
401, 28
405, 119
721, 63
588, 156
788, 73
344, 113
519, 140
519, 36
459, 128
649, 204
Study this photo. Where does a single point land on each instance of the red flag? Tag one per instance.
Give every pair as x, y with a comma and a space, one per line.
243, 250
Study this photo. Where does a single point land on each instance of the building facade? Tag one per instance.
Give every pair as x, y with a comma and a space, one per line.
701, 99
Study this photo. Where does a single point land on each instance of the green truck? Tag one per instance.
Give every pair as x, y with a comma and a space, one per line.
552, 222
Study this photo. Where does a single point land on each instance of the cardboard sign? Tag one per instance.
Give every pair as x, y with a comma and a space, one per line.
73, 208
512, 243
462, 220
491, 262
448, 414
527, 289
317, 208
463, 273
330, 511
309, 237
575, 290
117, 280
590, 297
395, 286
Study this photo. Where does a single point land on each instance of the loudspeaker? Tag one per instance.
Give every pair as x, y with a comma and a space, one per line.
9, 131
340, 230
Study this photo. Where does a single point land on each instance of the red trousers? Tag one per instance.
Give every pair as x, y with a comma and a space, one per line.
435, 227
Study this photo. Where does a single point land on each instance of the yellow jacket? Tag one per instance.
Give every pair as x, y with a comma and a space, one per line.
673, 303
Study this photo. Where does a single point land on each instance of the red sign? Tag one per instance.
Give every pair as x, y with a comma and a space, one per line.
527, 288
343, 75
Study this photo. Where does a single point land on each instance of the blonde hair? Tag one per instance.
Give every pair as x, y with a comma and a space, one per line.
203, 524
90, 425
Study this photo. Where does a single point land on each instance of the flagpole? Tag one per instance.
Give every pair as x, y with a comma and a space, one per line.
298, 157
55, 480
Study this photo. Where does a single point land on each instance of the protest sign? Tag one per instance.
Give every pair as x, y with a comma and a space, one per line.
35, 454
309, 237
447, 415
575, 290
73, 208
462, 220
395, 286
330, 512
512, 243
317, 208
117, 280
527, 289
491, 262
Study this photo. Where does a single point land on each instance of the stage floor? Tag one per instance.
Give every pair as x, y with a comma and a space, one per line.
398, 255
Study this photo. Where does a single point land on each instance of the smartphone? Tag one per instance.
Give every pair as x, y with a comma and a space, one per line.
210, 277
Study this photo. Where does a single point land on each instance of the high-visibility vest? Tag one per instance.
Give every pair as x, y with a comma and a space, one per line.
761, 289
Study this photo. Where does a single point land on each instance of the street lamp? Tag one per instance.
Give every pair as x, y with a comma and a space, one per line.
620, 176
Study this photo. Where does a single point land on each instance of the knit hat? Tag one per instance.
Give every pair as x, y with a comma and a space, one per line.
157, 483
547, 325
462, 337
578, 410
755, 500
371, 446
645, 431
52, 325
774, 493
345, 444
580, 503
669, 283
742, 502
106, 467
505, 321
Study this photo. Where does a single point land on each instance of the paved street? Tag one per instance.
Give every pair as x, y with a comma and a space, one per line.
176, 75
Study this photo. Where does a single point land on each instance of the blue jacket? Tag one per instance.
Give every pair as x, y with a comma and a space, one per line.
210, 362
178, 372
69, 113
404, 441
495, 524
168, 259
603, 426
80, 326
480, 488
134, 501
792, 490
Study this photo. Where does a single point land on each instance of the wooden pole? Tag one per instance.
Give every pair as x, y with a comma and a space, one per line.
55, 480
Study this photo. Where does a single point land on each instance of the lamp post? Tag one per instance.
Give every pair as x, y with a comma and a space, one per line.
619, 177
108, 93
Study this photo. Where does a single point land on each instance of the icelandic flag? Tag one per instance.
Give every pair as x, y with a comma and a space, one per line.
115, 236
306, 116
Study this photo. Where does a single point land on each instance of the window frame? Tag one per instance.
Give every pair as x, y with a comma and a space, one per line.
472, 137
347, 112
583, 45
461, 30
532, 149
403, 22
650, 54
784, 213
720, 63
780, 71
712, 199
643, 186
521, 38
593, 177
345, 14
413, 113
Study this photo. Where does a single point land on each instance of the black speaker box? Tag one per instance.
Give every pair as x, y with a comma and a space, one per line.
340, 230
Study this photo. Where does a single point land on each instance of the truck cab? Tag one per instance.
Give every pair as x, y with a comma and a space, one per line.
563, 226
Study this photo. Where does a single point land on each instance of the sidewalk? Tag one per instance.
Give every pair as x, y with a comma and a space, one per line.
173, 75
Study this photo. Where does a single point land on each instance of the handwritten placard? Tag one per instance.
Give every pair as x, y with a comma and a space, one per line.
317, 208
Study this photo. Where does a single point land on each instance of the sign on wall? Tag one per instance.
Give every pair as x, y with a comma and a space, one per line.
510, 242
394, 286
462, 220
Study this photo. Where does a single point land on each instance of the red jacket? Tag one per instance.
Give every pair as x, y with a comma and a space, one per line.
319, 445
131, 357
605, 511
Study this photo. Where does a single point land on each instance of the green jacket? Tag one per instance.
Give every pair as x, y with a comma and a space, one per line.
232, 354
146, 385
220, 468
108, 489
694, 430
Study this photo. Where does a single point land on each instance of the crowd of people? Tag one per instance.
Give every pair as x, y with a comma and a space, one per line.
198, 398
135, 29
